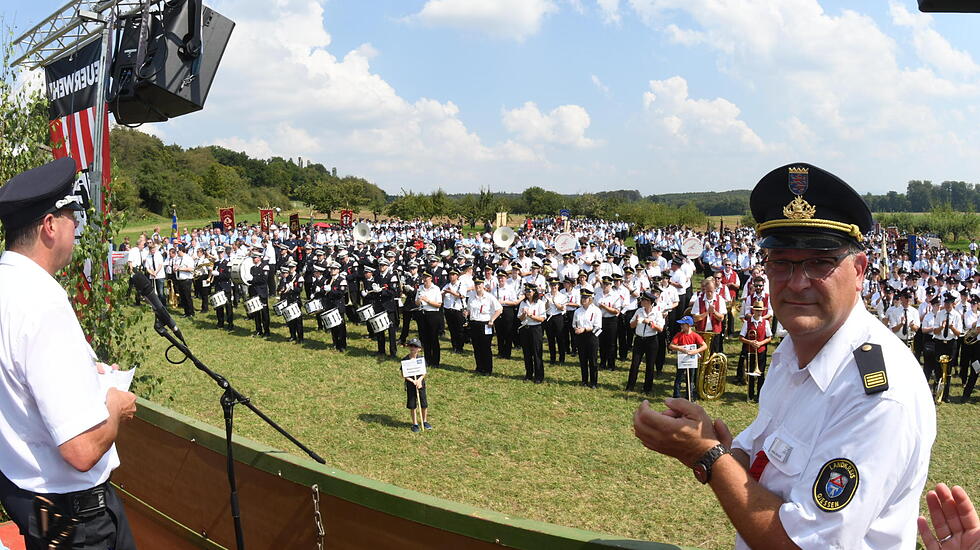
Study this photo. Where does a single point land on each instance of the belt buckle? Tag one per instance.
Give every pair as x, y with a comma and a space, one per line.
89, 503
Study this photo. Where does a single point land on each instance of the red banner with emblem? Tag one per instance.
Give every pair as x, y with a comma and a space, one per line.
267, 217
227, 217
346, 217
294, 223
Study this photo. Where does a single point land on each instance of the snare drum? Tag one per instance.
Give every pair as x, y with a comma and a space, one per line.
292, 312
379, 323
218, 299
331, 318
364, 313
280, 306
314, 306
253, 304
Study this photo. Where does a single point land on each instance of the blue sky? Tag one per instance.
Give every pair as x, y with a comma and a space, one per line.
574, 95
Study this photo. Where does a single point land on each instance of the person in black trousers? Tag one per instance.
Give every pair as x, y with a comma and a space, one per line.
585, 323
335, 297
222, 283
531, 315
554, 326
505, 325
429, 298
260, 287
387, 301
610, 302
646, 323
482, 310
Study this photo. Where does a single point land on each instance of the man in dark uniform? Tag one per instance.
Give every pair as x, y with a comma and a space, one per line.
387, 301
335, 297
306, 269
222, 282
410, 281
260, 287
290, 287
317, 287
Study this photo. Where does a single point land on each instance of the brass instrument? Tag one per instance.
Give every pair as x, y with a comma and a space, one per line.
734, 308
940, 390
203, 269
753, 357
171, 293
712, 370
971, 336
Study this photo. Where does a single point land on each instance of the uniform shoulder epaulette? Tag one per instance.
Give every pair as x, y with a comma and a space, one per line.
871, 365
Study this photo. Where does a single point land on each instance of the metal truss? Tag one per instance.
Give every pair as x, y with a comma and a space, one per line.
73, 26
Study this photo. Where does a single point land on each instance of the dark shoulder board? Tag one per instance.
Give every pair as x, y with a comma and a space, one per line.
871, 365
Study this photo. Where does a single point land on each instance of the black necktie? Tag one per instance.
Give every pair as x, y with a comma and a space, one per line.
946, 326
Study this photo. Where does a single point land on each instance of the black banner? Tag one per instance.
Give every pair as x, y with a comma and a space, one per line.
71, 81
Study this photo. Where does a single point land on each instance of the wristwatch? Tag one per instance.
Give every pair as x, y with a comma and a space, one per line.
702, 468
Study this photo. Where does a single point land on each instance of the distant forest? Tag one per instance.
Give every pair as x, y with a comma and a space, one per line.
150, 176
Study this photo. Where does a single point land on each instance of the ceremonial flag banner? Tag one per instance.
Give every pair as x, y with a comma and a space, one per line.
294, 223
227, 217
173, 227
266, 218
71, 89
346, 217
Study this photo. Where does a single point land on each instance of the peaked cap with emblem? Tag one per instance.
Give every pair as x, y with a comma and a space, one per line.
802, 206
28, 196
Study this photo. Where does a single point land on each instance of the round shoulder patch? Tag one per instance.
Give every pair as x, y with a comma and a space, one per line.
835, 484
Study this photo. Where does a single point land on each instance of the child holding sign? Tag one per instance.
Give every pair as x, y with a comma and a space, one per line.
413, 371
688, 345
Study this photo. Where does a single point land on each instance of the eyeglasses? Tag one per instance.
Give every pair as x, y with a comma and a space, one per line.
813, 268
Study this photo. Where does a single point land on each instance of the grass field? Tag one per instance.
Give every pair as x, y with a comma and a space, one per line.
554, 452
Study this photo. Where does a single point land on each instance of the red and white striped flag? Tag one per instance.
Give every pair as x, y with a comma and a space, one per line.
73, 136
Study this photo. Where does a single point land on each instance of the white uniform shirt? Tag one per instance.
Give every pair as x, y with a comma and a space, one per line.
527, 308
555, 304
481, 308
185, 267
49, 387
588, 318
613, 300
955, 322
812, 416
433, 294
448, 300
641, 316
155, 262
896, 317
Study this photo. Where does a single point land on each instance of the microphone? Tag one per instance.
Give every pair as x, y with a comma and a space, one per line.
145, 288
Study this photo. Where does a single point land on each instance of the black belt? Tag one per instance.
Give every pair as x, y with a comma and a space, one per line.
80, 504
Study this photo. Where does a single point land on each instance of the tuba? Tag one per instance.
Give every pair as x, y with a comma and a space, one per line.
941, 380
712, 370
361, 232
971, 335
504, 237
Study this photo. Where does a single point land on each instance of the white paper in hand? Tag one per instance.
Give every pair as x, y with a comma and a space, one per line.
119, 379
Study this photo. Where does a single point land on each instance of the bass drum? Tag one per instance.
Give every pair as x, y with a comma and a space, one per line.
241, 270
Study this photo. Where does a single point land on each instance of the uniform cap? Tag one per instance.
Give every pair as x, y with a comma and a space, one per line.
30, 195
802, 206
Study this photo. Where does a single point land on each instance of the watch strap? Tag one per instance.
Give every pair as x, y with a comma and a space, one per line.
708, 459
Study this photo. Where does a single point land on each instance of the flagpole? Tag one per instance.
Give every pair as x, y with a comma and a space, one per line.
95, 185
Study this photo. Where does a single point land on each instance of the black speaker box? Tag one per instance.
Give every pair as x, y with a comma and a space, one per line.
961, 6
169, 83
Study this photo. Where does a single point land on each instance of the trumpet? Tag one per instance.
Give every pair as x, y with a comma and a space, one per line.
753, 357
712, 369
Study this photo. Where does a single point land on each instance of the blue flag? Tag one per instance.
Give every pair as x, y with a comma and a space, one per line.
173, 227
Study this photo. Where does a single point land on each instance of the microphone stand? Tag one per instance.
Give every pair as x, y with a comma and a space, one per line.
229, 399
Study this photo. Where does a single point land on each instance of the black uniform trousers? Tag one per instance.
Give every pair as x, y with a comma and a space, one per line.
625, 333
567, 334
261, 318
186, 298
296, 325
755, 382
388, 333
607, 343
429, 330
506, 325
531, 346
944, 347
587, 346
482, 353
454, 321
644, 349
225, 312
339, 333
970, 354
408, 314
554, 328
108, 528
663, 338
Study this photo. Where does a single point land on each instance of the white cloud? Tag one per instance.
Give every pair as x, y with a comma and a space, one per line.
600, 86
286, 94
930, 46
564, 125
698, 122
508, 19
609, 10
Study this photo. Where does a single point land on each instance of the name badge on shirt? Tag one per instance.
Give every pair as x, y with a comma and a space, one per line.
780, 450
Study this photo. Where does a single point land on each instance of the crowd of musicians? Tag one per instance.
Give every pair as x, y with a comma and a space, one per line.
600, 301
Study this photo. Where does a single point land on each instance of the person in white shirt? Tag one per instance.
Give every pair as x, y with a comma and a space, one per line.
554, 325
429, 298
755, 334
948, 326
506, 326
531, 314
573, 301
839, 452
155, 270
482, 310
646, 322
610, 303
452, 302
902, 318
184, 267
586, 325
134, 263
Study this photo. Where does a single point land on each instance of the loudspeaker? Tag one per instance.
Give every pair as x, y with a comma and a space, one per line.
939, 6
171, 81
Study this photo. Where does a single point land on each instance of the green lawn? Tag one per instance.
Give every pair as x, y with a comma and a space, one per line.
554, 452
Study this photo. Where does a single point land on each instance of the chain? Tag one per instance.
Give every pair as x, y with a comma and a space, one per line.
317, 518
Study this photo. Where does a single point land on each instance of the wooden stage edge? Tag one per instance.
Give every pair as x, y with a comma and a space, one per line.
174, 483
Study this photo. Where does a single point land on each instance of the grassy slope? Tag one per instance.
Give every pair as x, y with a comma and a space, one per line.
554, 452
